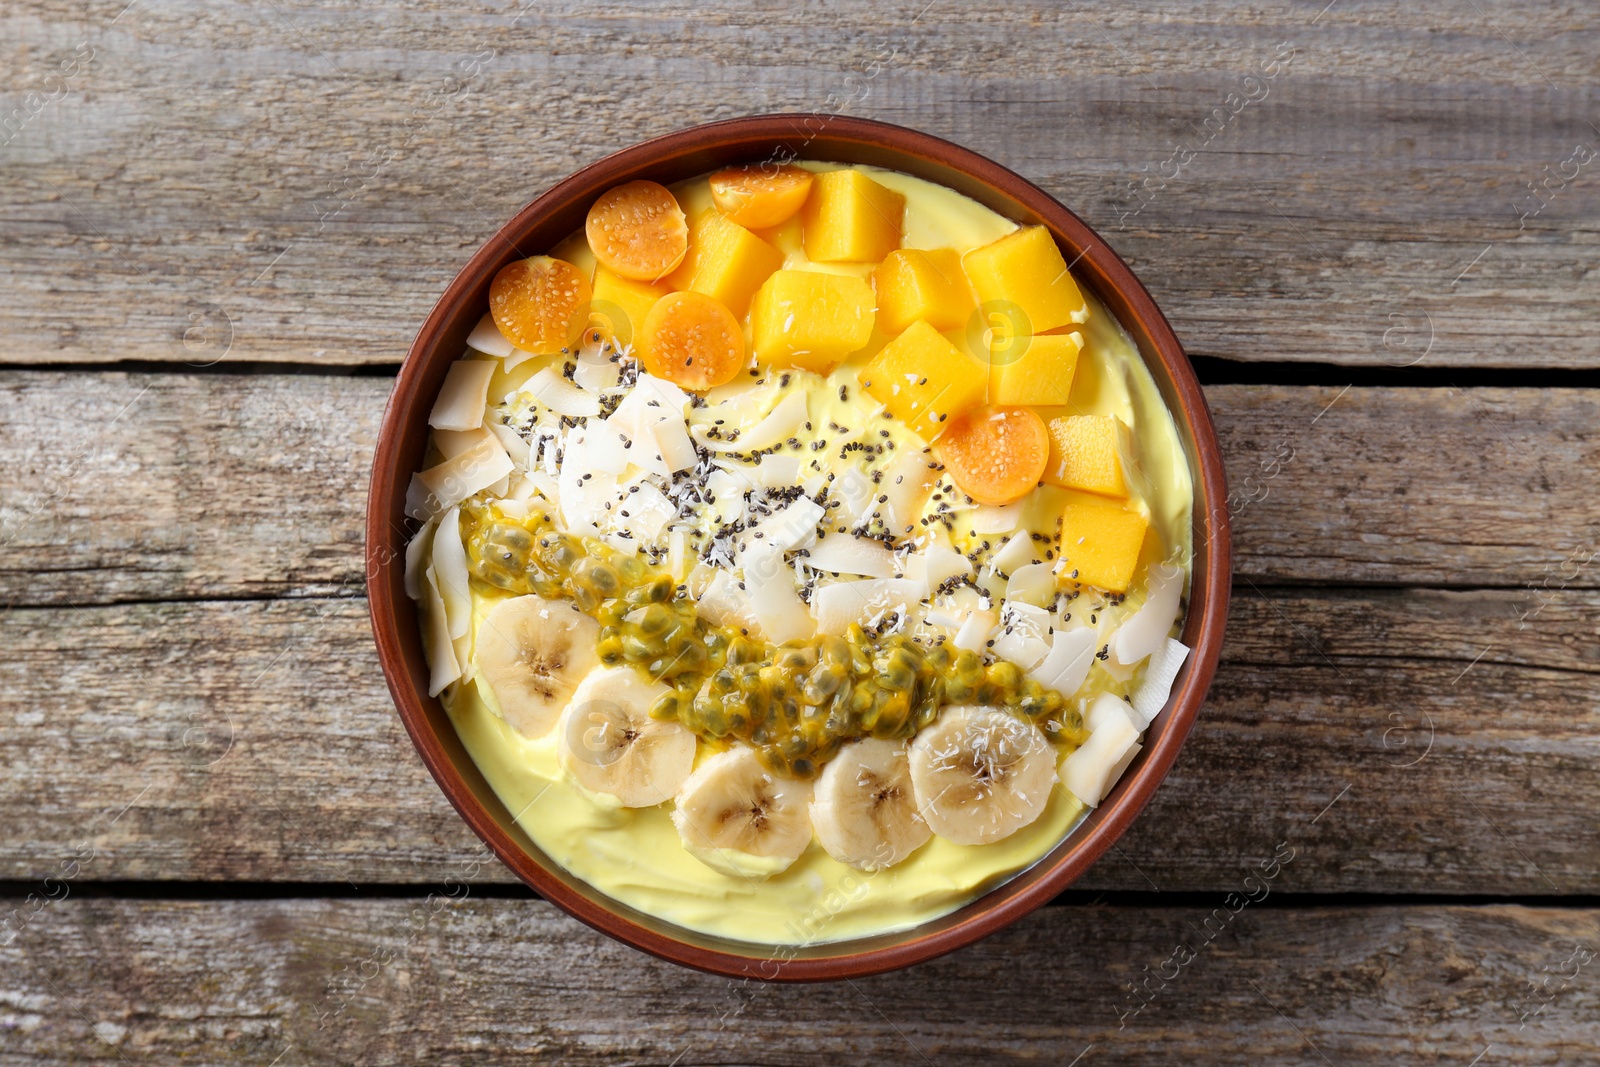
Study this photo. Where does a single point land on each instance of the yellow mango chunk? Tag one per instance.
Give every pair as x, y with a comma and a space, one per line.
725, 261
929, 285
620, 304
849, 218
1086, 453
1025, 270
1100, 542
1033, 371
924, 380
802, 318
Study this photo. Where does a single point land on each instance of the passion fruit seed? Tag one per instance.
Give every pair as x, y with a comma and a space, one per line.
796, 704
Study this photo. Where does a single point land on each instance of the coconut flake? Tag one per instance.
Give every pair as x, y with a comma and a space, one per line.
989, 519
584, 495
839, 604
1092, 769
944, 563
778, 470
419, 553
844, 554
788, 526
669, 397
1106, 708
674, 446
463, 395
727, 491
1016, 552
1032, 584
596, 447
906, 483
723, 603
597, 370
516, 359
781, 423
476, 469
420, 503
512, 442
1067, 664
1144, 630
769, 587
553, 390
487, 338
450, 568
1159, 674
648, 512
451, 443
973, 636
855, 492
678, 552
1025, 634
437, 644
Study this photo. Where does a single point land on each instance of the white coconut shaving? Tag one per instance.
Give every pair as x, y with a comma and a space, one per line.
1143, 632
476, 469
487, 338
843, 554
558, 394
463, 396
1159, 674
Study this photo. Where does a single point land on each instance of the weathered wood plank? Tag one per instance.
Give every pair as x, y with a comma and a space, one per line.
437, 981
140, 487
1398, 741
297, 181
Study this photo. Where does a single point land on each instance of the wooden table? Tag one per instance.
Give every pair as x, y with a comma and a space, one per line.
1375, 227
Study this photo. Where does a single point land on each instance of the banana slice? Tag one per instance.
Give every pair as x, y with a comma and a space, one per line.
865, 812
533, 652
610, 744
736, 816
981, 774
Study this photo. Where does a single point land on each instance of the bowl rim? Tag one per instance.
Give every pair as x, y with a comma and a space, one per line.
1112, 281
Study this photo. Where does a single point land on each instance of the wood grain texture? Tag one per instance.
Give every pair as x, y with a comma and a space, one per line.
458, 982
1374, 732
148, 487
298, 181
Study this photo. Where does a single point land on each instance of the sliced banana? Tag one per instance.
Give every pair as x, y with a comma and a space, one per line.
610, 744
981, 774
532, 653
864, 811
732, 808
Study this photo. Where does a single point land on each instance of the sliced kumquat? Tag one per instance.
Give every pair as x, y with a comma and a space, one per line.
692, 340
540, 304
638, 230
995, 455
760, 195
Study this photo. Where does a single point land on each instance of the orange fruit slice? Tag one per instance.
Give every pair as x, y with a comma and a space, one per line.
540, 304
760, 195
638, 231
692, 340
995, 455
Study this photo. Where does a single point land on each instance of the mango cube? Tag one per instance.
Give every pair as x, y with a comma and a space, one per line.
1100, 542
807, 319
1033, 371
923, 379
725, 261
849, 218
1024, 269
620, 304
929, 285
1086, 453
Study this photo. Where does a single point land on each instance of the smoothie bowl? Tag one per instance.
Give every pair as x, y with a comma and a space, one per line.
795, 552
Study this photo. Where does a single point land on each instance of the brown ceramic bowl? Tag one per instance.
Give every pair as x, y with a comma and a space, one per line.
670, 158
